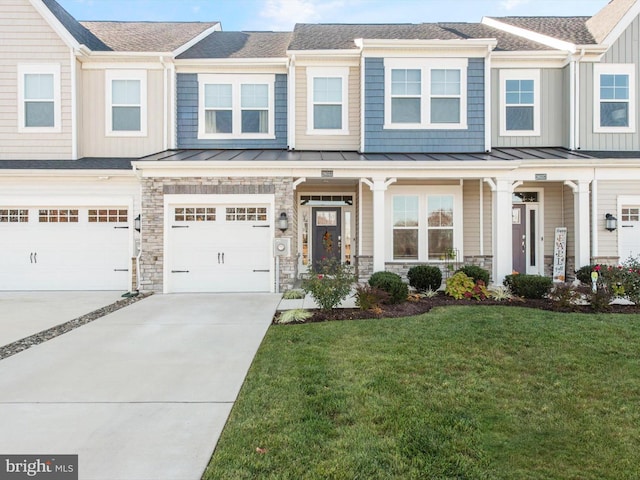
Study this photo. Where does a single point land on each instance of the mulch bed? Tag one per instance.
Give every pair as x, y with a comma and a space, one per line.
423, 305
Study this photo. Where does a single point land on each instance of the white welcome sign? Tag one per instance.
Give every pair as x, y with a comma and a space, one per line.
560, 254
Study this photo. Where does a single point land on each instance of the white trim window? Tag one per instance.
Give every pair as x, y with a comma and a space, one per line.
425, 94
520, 102
39, 109
126, 103
236, 106
614, 109
327, 100
426, 223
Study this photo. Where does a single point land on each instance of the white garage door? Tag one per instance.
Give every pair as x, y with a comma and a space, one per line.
219, 248
630, 232
64, 248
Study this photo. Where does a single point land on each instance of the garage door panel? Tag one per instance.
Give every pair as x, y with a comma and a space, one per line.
219, 248
62, 249
629, 232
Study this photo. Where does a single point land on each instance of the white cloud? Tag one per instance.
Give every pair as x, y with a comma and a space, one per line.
283, 14
512, 4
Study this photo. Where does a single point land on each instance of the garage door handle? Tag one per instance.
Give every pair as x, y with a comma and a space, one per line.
179, 271
120, 269
120, 227
627, 226
266, 271
31, 257
223, 257
218, 257
261, 226
179, 226
35, 257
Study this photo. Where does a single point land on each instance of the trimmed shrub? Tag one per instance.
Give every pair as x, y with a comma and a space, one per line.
329, 283
584, 274
529, 286
392, 284
368, 297
476, 273
425, 277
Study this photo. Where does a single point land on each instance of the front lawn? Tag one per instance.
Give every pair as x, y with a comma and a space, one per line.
459, 393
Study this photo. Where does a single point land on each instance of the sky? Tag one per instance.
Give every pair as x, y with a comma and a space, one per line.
282, 15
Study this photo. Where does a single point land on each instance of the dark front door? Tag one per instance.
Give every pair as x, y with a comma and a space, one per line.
327, 234
519, 240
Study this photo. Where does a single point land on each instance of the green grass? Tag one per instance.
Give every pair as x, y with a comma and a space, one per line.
459, 393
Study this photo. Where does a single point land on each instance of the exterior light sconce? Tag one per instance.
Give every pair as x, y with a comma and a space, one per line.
611, 222
283, 222
136, 223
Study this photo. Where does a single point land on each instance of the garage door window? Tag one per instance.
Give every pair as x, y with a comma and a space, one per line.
246, 214
194, 214
14, 215
58, 216
108, 216
631, 214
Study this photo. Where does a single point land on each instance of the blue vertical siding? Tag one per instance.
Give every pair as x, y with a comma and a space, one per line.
377, 139
187, 121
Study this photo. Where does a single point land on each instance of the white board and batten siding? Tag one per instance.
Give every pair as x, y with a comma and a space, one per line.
26, 38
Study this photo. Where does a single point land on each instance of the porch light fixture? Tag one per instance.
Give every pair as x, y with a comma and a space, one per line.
611, 222
136, 223
283, 222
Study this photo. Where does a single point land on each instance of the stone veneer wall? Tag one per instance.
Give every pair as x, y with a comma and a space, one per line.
364, 267
153, 191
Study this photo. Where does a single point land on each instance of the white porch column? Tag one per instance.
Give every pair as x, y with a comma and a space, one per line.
502, 228
379, 186
581, 222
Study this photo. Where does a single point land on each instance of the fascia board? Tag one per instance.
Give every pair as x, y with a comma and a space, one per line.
216, 28
530, 35
55, 24
234, 62
482, 43
60, 172
622, 25
352, 52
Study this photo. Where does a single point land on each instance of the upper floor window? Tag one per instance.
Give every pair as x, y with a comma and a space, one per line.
614, 99
425, 94
327, 101
236, 106
520, 102
126, 108
39, 98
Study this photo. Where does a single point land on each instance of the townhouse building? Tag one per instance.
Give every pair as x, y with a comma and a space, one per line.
178, 157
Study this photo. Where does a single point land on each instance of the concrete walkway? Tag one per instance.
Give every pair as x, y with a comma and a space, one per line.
25, 313
142, 393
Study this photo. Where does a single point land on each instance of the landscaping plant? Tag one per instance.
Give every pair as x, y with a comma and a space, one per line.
476, 273
368, 297
462, 286
425, 277
392, 284
297, 315
329, 283
529, 286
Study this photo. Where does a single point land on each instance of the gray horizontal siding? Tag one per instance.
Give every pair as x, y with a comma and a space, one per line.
187, 121
377, 139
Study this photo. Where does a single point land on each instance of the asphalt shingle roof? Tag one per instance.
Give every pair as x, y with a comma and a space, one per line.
341, 36
240, 45
568, 29
603, 22
146, 36
78, 31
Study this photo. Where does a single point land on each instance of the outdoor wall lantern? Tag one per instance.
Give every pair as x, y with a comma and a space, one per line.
611, 222
283, 221
136, 223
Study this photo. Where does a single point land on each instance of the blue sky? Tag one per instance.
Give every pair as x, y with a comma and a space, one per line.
283, 14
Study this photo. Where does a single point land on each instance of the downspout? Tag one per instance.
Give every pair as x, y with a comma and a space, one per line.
173, 141
362, 102
572, 103
291, 95
165, 108
481, 217
74, 104
576, 99
487, 101
594, 216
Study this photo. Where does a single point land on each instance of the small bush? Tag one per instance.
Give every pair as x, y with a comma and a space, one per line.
297, 315
293, 295
368, 297
600, 300
529, 286
425, 277
584, 274
500, 293
565, 296
475, 273
459, 285
329, 284
392, 284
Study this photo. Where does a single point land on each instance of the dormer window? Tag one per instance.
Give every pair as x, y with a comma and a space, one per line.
425, 94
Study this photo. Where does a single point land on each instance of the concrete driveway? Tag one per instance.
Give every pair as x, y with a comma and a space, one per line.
25, 313
142, 393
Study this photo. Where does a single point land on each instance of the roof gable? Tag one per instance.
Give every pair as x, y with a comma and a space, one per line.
66, 26
609, 23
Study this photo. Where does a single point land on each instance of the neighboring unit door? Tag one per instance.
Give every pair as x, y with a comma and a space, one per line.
219, 248
630, 233
519, 238
65, 248
327, 234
